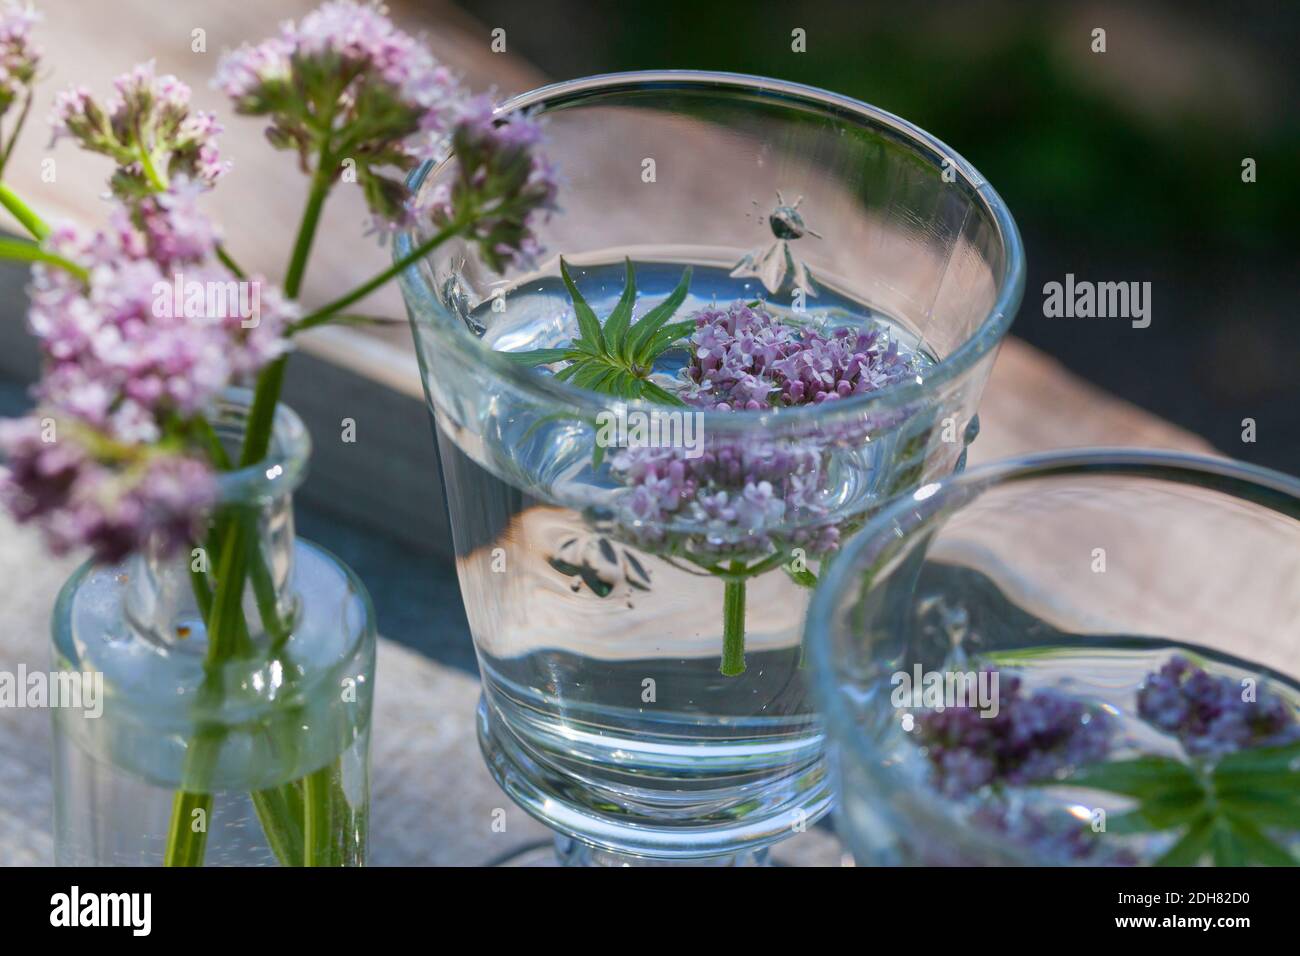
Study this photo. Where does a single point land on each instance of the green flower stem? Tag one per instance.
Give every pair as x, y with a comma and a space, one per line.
33, 223
185, 847
280, 811
227, 630
735, 576
187, 836
321, 182
228, 261
202, 592
261, 416
277, 808
299, 829
151, 173
319, 822
20, 250
327, 312
264, 592
733, 626
257, 438
18, 128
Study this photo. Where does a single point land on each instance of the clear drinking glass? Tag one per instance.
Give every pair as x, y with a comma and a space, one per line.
259, 759
1083, 573
643, 689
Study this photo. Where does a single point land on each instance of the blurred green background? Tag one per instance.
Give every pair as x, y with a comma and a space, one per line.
1118, 166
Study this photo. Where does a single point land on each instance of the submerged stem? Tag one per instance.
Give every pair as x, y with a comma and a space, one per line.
319, 825
733, 627
187, 836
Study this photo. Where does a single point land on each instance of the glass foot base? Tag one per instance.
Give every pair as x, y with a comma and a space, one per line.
605, 829
571, 852
566, 851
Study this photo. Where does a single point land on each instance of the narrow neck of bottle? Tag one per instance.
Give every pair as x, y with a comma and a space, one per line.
169, 596
242, 559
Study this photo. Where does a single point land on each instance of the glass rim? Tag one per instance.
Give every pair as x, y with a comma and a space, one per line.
554, 96
911, 513
284, 466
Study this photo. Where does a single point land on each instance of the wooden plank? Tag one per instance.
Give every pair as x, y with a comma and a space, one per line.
1032, 403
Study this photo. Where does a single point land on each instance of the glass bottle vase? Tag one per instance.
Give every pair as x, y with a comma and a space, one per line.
233, 722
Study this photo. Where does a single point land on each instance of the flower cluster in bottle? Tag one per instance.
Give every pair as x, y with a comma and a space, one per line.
148, 128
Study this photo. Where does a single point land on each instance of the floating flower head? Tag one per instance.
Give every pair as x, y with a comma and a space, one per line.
739, 497
147, 128
502, 182
754, 493
346, 86
744, 357
1030, 738
19, 56
1214, 716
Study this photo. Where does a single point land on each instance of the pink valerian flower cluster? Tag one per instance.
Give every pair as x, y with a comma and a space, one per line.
57, 481
159, 331
19, 56
149, 341
738, 497
383, 97
346, 85
746, 494
1031, 737
148, 118
500, 184
743, 357
356, 50
1053, 834
1209, 715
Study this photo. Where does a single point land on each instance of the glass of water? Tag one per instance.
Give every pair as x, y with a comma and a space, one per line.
1139, 611
643, 683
